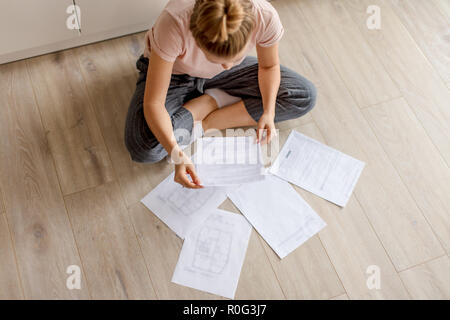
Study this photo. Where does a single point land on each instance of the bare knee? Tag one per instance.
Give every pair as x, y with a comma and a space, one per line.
201, 106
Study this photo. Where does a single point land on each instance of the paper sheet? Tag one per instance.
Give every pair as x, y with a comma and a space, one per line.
278, 213
180, 208
228, 161
213, 254
317, 168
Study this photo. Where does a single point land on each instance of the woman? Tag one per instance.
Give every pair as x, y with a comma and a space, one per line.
195, 70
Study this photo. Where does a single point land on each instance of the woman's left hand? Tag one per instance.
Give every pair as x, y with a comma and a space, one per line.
266, 125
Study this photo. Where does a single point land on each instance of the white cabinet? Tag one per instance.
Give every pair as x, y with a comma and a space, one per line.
118, 16
26, 25
33, 27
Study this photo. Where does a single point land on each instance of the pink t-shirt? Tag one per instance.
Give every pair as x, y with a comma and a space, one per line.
172, 40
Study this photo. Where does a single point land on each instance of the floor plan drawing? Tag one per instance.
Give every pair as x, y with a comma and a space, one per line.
182, 208
212, 250
213, 254
187, 201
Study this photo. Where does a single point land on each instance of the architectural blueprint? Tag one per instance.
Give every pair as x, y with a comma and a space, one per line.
182, 208
213, 254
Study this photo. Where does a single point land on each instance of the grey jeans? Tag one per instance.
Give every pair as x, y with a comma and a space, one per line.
296, 96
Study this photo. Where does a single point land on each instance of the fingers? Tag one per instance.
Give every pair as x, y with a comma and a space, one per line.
261, 135
259, 132
181, 177
191, 170
269, 134
266, 136
185, 182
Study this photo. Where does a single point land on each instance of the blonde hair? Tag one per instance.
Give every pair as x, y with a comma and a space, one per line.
222, 27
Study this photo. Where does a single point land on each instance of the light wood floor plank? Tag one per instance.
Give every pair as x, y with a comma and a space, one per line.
38, 220
307, 272
114, 265
398, 222
134, 46
346, 47
75, 141
258, 280
430, 28
110, 89
161, 248
418, 81
430, 280
2, 205
444, 7
419, 163
291, 124
352, 244
9, 277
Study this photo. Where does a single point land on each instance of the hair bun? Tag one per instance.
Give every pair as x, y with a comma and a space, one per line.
222, 27
234, 14
229, 15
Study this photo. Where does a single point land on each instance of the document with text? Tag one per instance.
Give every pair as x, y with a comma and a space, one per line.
317, 168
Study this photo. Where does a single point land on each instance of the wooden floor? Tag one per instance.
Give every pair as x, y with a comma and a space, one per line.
70, 193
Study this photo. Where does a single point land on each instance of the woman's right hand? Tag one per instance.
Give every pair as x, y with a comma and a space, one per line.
183, 168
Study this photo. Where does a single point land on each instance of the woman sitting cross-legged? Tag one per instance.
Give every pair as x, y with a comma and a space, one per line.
195, 74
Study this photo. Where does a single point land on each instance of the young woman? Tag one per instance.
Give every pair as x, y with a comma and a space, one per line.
195, 69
